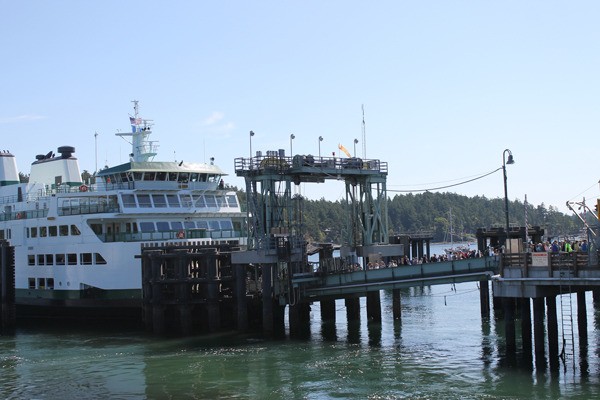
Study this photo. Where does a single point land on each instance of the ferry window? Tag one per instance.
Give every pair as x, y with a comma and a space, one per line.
72, 259
213, 178
40, 259
173, 176
97, 228
128, 200
137, 176
41, 283
194, 177
226, 225
34, 232
43, 231
49, 259
144, 200
214, 225
75, 230
149, 176
173, 200
202, 177
184, 177
186, 200
176, 226
99, 259
147, 226
202, 224
60, 259
131, 227
31, 282
86, 258
210, 200
159, 200
2, 233
232, 200
200, 202
162, 226
189, 224
50, 283
63, 230
221, 201
161, 176
124, 177
30, 259
53, 230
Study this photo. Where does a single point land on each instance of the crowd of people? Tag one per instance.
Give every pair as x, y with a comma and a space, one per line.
555, 246
565, 246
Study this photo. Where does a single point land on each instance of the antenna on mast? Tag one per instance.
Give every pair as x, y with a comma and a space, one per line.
96, 151
135, 108
364, 133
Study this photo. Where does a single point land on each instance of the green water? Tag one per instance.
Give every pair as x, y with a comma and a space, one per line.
441, 350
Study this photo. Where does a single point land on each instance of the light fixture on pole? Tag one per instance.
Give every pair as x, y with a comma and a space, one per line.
251, 134
355, 142
292, 137
505, 161
320, 140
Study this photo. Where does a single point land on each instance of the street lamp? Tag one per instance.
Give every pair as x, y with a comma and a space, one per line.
320, 140
251, 134
292, 137
355, 142
510, 160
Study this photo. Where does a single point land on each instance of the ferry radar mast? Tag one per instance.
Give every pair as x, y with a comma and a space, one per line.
142, 149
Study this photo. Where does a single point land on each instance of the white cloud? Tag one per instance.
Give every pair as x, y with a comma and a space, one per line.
19, 118
215, 117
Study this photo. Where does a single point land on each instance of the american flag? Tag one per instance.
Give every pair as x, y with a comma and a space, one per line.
135, 121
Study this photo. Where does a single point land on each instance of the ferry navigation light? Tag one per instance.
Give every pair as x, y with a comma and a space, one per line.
505, 161
355, 142
292, 137
320, 140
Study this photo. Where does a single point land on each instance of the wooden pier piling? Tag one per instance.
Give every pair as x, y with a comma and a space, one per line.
396, 305
526, 326
374, 306
552, 331
539, 334
352, 308
328, 310
7, 287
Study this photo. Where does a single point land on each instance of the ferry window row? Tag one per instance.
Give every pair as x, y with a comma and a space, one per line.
42, 283
65, 259
173, 200
164, 226
5, 234
182, 177
52, 231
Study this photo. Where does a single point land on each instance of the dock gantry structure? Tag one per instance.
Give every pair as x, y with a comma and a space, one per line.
275, 213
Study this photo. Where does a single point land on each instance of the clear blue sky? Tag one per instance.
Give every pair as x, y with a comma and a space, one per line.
446, 86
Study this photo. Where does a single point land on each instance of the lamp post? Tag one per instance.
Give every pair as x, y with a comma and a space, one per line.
320, 140
292, 137
251, 134
505, 161
355, 142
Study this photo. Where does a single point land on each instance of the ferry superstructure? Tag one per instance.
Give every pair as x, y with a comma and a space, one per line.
76, 242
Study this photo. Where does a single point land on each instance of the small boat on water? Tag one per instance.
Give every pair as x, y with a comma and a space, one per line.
75, 242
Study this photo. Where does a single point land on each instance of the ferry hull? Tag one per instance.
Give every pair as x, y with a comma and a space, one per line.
124, 305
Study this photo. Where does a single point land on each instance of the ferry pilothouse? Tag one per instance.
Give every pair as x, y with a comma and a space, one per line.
76, 242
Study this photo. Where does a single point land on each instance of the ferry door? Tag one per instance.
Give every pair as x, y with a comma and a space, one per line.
112, 231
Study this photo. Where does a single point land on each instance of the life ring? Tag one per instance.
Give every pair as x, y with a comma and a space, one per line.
19, 216
180, 235
83, 188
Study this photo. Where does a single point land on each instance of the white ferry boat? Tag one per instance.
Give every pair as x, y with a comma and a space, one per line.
76, 242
